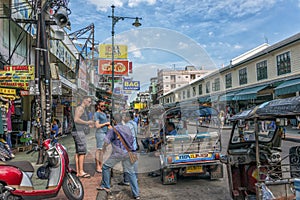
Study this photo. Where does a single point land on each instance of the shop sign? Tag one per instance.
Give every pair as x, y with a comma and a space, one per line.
67, 82
24, 92
83, 85
131, 85
16, 76
120, 67
59, 49
120, 51
8, 91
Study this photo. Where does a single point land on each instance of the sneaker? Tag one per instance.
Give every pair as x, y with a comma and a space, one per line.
123, 183
137, 197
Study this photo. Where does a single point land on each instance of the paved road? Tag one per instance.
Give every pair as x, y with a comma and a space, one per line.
151, 187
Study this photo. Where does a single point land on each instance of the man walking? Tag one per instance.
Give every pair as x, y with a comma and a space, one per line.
128, 119
119, 154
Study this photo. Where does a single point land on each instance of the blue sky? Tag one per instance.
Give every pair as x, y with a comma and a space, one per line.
203, 33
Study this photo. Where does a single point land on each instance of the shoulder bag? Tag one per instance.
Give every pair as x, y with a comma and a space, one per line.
133, 157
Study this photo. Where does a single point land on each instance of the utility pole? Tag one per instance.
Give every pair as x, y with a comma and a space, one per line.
43, 96
42, 73
38, 84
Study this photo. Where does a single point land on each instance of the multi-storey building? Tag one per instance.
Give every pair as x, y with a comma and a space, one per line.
168, 79
273, 72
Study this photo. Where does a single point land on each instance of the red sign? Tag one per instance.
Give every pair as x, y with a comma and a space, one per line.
120, 67
24, 92
130, 68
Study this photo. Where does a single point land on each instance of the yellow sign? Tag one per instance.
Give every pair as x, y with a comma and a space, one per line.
7, 91
120, 51
16, 76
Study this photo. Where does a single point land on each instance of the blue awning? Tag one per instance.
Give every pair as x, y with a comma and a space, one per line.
214, 98
204, 99
288, 87
249, 93
227, 97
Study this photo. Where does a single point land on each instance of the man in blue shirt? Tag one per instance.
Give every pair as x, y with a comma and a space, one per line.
54, 129
119, 154
128, 119
170, 130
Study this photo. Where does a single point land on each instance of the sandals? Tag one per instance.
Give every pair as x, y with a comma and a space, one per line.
85, 175
104, 189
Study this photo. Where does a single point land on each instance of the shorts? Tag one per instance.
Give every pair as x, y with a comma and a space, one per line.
80, 142
100, 139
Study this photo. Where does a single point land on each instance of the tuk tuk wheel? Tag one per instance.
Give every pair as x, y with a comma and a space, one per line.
168, 176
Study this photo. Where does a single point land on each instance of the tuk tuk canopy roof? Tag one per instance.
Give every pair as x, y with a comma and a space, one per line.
277, 108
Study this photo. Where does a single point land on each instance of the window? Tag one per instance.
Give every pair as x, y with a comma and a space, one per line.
193, 76
173, 78
228, 80
200, 89
183, 94
194, 91
261, 70
243, 76
208, 87
17, 36
173, 86
188, 93
186, 76
283, 63
216, 84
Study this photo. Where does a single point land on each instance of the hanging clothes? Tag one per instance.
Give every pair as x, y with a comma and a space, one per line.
1, 126
8, 119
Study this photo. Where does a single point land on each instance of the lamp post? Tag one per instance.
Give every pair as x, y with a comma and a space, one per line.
114, 20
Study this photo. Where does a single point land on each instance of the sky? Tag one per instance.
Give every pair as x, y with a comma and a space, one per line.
176, 33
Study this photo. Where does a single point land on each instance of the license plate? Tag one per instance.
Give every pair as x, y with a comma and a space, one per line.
192, 156
194, 169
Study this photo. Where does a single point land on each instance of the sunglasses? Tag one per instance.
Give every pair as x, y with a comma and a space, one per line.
102, 106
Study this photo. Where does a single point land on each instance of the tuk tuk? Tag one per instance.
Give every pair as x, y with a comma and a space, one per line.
255, 165
195, 148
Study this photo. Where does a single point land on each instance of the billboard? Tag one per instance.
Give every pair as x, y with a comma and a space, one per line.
120, 68
120, 51
131, 85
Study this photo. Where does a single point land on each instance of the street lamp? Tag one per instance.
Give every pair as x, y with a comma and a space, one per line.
114, 20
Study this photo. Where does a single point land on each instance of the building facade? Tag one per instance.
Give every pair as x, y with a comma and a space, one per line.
270, 73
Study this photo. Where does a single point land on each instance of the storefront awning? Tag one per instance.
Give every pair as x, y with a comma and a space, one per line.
214, 98
249, 93
227, 97
287, 87
204, 99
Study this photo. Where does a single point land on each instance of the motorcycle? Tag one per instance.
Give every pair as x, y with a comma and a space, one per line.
16, 177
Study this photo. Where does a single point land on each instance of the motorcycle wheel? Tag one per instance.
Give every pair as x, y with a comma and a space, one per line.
70, 189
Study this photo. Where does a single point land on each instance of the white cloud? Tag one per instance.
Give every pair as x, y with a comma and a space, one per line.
104, 5
135, 3
237, 46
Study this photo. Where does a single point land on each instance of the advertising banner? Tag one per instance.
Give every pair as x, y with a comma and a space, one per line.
120, 51
131, 85
120, 68
16, 76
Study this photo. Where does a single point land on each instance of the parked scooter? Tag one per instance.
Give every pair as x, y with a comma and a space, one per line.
16, 177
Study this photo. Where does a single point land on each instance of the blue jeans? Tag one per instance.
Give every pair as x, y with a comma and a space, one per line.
126, 176
128, 169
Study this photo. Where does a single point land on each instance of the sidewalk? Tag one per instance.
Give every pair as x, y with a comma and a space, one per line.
90, 184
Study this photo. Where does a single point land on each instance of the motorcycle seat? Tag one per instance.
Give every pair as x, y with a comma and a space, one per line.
25, 166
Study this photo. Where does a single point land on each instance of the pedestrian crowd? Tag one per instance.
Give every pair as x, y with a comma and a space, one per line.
116, 129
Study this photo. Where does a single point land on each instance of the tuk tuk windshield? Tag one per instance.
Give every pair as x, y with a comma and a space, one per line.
244, 131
